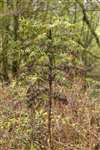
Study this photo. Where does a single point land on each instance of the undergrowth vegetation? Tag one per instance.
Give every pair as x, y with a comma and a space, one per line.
75, 125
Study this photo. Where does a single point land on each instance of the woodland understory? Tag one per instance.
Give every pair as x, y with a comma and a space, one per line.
49, 75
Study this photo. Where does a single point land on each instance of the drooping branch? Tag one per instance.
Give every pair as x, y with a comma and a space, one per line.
86, 20
93, 55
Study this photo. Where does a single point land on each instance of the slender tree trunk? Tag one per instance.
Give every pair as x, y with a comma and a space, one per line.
50, 102
15, 64
50, 94
5, 31
5, 58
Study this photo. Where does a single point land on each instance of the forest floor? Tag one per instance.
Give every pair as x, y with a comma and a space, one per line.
14, 124
75, 127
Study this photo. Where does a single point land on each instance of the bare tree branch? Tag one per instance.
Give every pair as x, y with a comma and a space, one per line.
86, 20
